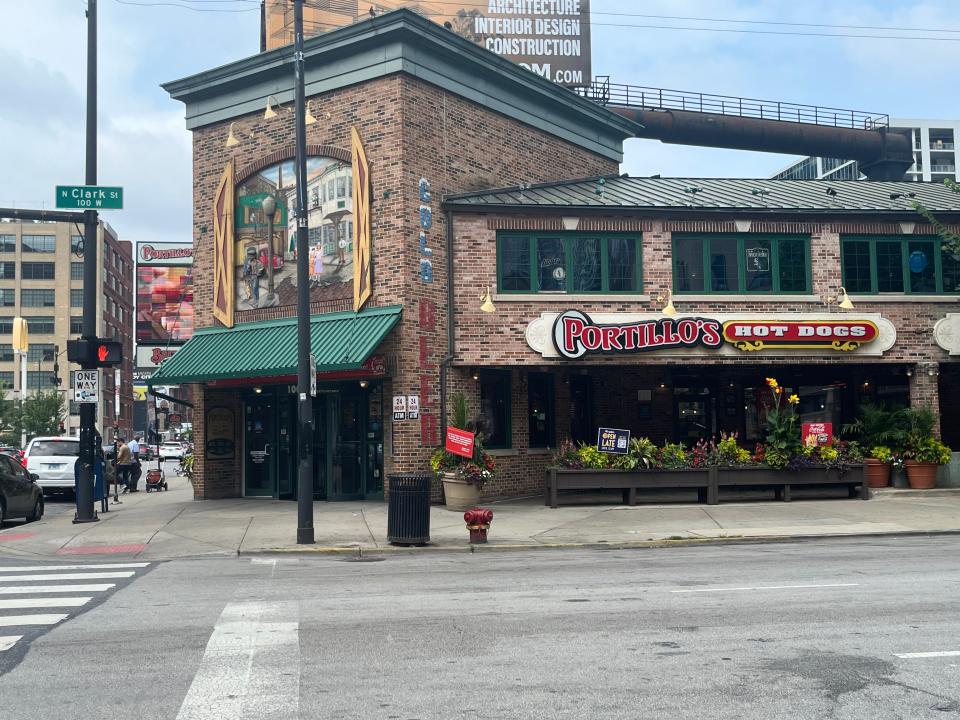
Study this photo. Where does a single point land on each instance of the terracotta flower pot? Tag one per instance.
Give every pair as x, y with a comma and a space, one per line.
460, 495
877, 473
921, 476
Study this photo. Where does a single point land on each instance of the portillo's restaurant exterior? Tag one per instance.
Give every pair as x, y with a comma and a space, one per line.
439, 172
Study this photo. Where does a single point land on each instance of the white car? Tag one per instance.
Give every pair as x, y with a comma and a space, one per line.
52, 460
171, 451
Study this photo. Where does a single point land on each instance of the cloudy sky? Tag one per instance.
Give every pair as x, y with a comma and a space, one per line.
145, 148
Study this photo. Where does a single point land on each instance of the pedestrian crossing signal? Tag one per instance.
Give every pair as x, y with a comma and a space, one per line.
99, 353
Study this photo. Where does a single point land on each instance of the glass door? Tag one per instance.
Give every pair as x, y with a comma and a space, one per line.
286, 459
347, 426
259, 446
582, 428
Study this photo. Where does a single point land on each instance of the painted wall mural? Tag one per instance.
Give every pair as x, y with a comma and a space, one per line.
265, 255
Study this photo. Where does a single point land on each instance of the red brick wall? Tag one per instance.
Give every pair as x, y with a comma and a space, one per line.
410, 130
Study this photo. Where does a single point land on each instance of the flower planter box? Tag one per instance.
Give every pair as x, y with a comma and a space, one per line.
782, 481
628, 482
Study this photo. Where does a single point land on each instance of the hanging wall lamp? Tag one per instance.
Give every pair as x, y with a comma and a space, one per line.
487, 302
668, 309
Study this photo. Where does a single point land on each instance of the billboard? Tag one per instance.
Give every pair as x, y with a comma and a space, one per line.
548, 37
164, 303
165, 253
264, 248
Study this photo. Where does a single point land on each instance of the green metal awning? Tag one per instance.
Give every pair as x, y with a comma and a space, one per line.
339, 341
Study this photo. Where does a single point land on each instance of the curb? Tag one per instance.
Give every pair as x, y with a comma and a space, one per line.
626, 545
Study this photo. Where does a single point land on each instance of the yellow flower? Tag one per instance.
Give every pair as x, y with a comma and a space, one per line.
778, 390
793, 399
772, 382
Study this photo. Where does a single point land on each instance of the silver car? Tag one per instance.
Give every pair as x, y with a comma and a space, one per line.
52, 460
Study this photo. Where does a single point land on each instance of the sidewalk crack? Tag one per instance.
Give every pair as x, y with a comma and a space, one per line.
707, 513
369, 531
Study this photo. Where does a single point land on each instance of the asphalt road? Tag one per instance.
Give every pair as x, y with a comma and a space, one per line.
821, 629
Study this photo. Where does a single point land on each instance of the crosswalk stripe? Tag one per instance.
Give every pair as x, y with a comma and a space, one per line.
251, 667
27, 603
8, 641
37, 568
12, 620
25, 589
68, 576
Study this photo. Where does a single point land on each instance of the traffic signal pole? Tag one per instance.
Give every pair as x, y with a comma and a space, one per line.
85, 509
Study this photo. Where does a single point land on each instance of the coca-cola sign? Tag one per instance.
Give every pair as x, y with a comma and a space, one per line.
165, 253
575, 334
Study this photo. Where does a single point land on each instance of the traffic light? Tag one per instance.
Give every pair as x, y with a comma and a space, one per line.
95, 353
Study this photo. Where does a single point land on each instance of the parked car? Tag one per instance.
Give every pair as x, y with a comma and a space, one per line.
146, 451
20, 496
52, 459
171, 451
15, 451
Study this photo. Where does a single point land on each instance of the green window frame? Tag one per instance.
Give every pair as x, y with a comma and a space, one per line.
496, 403
884, 266
588, 261
779, 246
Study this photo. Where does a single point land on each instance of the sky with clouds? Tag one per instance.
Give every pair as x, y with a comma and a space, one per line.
145, 147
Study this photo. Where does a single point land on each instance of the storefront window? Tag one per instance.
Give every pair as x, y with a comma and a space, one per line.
742, 263
515, 264
551, 263
569, 262
688, 260
540, 408
495, 407
898, 265
586, 265
723, 265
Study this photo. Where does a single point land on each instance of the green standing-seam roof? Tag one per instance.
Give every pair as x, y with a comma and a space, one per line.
339, 341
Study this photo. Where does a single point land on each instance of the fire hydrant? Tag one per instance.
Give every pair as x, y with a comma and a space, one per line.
478, 522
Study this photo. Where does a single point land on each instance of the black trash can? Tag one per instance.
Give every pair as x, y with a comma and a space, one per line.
408, 513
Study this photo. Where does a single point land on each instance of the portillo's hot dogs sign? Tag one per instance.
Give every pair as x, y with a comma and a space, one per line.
574, 334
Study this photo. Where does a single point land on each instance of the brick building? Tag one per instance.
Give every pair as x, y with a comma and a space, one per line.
442, 122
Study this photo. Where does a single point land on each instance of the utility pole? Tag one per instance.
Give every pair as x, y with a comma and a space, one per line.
305, 404
85, 510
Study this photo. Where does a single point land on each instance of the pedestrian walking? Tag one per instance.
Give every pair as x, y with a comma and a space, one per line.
135, 470
124, 465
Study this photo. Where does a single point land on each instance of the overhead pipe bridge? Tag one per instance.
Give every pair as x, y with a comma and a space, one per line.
686, 118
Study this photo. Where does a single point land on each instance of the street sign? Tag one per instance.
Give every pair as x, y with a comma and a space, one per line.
89, 197
399, 407
86, 386
413, 407
313, 375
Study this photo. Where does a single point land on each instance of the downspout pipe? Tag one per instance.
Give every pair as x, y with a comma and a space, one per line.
451, 328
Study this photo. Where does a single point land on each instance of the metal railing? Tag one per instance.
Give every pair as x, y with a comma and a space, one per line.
603, 92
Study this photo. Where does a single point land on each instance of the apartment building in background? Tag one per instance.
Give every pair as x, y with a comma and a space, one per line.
41, 279
934, 155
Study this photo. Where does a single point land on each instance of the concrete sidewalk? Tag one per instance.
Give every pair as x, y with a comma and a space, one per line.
170, 525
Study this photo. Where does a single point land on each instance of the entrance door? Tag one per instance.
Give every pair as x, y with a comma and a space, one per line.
286, 455
347, 422
259, 445
582, 428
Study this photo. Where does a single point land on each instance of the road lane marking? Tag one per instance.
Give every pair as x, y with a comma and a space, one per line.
37, 568
766, 587
68, 576
940, 653
25, 589
11, 620
26, 603
8, 641
251, 666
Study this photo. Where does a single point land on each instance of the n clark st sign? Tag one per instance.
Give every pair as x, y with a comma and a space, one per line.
574, 334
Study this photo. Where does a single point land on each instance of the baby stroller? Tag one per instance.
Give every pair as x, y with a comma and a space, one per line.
156, 480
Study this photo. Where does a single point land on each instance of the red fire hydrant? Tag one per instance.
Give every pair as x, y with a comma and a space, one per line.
478, 522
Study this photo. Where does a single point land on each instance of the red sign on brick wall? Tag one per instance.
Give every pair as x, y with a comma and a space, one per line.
460, 442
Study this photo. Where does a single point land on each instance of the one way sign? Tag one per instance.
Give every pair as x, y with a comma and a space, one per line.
86, 386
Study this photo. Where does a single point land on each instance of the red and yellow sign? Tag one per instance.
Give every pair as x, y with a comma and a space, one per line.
842, 335
361, 222
223, 300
